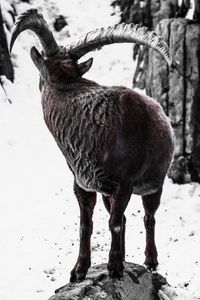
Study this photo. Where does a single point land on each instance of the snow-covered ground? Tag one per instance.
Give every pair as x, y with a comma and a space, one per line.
38, 211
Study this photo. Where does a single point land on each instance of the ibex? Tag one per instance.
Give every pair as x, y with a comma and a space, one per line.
115, 141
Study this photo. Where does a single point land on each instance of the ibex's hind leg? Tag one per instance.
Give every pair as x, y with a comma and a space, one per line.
118, 203
87, 201
151, 203
107, 203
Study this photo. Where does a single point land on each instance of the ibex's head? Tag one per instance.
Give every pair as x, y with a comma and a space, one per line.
64, 59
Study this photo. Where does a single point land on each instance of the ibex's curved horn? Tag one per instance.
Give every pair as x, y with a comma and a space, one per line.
32, 20
122, 33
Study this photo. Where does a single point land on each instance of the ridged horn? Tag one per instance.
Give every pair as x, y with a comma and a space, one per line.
121, 33
34, 21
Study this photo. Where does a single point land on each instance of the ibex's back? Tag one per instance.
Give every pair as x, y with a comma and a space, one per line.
115, 141
108, 135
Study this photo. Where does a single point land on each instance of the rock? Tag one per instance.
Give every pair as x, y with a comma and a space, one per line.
6, 67
176, 80
162, 10
178, 91
192, 99
180, 170
137, 284
196, 11
158, 71
147, 13
59, 23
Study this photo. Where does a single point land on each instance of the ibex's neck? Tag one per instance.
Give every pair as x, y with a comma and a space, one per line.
70, 86
80, 122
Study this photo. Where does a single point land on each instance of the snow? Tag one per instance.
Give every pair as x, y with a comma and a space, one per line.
38, 211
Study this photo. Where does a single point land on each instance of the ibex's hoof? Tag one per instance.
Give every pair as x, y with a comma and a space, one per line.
151, 265
78, 273
116, 274
75, 276
115, 269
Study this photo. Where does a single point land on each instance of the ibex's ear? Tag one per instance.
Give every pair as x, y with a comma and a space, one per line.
36, 57
85, 66
39, 62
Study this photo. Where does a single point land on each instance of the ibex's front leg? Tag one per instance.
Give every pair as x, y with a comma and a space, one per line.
151, 203
118, 203
86, 202
107, 203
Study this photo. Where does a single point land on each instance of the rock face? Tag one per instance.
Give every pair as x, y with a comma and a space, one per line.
59, 23
178, 91
147, 12
5, 62
137, 284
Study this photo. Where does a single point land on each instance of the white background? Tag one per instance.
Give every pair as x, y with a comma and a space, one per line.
38, 212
